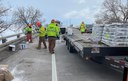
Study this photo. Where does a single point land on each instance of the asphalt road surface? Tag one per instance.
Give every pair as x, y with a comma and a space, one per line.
31, 64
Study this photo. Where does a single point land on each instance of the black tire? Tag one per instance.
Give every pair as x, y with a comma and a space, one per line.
66, 42
71, 48
68, 45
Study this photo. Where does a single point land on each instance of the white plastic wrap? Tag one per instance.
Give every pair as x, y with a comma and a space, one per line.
115, 35
97, 31
69, 31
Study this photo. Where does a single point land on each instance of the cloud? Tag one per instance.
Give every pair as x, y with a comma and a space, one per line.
81, 1
86, 13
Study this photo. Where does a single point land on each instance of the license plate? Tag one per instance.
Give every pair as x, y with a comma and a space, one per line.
95, 50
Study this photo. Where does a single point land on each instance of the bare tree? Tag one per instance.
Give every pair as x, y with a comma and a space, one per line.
23, 16
102, 18
113, 11
3, 25
112, 7
124, 11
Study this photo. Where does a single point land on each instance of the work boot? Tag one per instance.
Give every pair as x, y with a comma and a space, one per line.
52, 52
45, 48
31, 42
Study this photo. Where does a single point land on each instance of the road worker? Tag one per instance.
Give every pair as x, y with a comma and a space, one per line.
52, 33
82, 28
28, 32
41, 35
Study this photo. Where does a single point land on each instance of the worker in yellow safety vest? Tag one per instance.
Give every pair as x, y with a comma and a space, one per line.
82, 28
28, 32
41, 35
52, 33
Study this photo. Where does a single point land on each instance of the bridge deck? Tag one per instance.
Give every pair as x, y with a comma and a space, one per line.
36, 65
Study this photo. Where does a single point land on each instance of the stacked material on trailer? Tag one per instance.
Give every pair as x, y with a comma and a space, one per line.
115, 35
97, 31
69, 31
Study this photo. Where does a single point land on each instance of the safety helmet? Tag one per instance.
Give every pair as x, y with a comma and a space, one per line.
53, 21
82, 22
38, 23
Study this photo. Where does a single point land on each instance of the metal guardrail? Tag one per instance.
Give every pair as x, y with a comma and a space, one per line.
11, 36
4, 38
6, 45
19, 39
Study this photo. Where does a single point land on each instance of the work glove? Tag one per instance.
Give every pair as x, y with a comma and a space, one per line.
58, 37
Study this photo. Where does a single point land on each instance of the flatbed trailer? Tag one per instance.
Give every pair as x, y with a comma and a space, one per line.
82, 44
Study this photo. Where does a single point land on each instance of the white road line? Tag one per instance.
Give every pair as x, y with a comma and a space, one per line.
54, 71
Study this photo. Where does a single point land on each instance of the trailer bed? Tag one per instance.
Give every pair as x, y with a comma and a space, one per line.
83, 44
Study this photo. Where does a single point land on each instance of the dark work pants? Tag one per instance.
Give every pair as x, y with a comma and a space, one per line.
42, 39
29, 37
52, 42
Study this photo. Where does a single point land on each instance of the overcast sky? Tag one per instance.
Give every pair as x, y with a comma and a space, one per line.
67, 11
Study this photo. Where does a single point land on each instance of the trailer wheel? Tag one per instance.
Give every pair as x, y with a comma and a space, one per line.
67, 45
71, 48
66, 42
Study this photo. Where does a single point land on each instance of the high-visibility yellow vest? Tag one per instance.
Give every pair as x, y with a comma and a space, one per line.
28, 30
58, 28
42, 31
82, 27
52, 30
